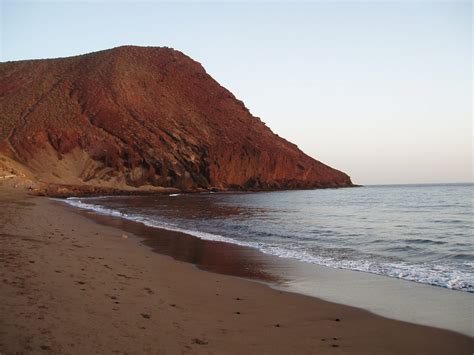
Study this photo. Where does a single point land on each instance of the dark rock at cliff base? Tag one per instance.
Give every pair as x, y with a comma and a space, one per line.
134, 117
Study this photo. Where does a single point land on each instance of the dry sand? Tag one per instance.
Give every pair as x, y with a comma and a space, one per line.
72, 286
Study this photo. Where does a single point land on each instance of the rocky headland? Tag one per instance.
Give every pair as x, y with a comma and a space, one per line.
140, 119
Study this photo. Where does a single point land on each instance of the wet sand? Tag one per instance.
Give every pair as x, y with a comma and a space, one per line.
389, 297
70, 285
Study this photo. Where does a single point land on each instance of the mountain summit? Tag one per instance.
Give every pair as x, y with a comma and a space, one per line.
142, 117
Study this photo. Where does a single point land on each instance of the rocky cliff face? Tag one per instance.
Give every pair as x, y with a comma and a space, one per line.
134, 117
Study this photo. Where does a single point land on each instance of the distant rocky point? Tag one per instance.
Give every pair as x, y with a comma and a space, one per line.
141, 119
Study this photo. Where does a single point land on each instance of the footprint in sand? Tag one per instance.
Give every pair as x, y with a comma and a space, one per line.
149, 290
200, 341
124, 276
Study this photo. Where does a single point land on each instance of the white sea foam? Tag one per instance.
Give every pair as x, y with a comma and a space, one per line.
439, 275
152, 223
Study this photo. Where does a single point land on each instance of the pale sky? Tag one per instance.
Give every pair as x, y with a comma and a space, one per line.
381, 90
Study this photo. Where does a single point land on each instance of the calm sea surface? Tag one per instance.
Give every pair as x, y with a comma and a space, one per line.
422, 233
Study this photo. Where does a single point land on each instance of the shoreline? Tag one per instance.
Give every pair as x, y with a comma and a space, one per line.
447, 309
73, 285
445, 275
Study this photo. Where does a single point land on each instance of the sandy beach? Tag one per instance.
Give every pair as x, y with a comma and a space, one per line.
73, 286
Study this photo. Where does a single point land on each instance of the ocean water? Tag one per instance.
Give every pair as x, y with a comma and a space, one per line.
421, 233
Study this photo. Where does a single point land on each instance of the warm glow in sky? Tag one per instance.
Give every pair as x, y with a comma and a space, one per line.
381, 90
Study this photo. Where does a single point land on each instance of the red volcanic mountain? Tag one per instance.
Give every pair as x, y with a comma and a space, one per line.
142, 117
